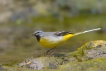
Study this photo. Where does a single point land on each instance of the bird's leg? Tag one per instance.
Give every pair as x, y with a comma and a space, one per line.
50, 50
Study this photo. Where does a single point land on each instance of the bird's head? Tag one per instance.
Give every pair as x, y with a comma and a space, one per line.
37, 33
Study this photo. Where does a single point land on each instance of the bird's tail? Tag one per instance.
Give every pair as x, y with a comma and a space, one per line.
87, 31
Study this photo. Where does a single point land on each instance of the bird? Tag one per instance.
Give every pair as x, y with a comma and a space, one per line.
53, 39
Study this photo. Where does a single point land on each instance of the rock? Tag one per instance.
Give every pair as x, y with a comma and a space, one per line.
32, 63
89, 51
90, 57
1, 68
98, 49
39, 63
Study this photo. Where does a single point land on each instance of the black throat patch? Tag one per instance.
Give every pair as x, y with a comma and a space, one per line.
38, 38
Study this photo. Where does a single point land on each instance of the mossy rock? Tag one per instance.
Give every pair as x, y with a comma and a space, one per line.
90, 57
91, 50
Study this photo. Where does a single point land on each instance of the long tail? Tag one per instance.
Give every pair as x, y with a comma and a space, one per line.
87, 31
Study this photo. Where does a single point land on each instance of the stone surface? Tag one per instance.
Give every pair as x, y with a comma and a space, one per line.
90, 51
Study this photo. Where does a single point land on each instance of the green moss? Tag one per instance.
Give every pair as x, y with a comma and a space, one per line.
80, 53
98, 64
91, 65
18, 69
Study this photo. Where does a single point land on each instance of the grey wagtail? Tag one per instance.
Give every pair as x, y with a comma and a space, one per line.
53, 39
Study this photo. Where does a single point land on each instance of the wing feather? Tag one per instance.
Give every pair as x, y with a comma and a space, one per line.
63, 33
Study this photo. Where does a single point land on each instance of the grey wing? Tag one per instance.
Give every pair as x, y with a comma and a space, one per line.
62, 33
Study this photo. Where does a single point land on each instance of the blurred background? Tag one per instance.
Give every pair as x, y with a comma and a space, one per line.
20, 18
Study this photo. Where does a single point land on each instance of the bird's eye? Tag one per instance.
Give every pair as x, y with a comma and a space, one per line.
38, 32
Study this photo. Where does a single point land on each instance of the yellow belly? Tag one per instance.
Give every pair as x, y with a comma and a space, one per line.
49, 44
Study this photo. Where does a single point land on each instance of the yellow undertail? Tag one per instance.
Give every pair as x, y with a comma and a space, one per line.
66, 37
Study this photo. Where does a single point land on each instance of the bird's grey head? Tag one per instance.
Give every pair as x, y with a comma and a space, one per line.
38, 34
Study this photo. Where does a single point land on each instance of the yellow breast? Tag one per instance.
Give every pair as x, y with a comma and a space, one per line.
48, 44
